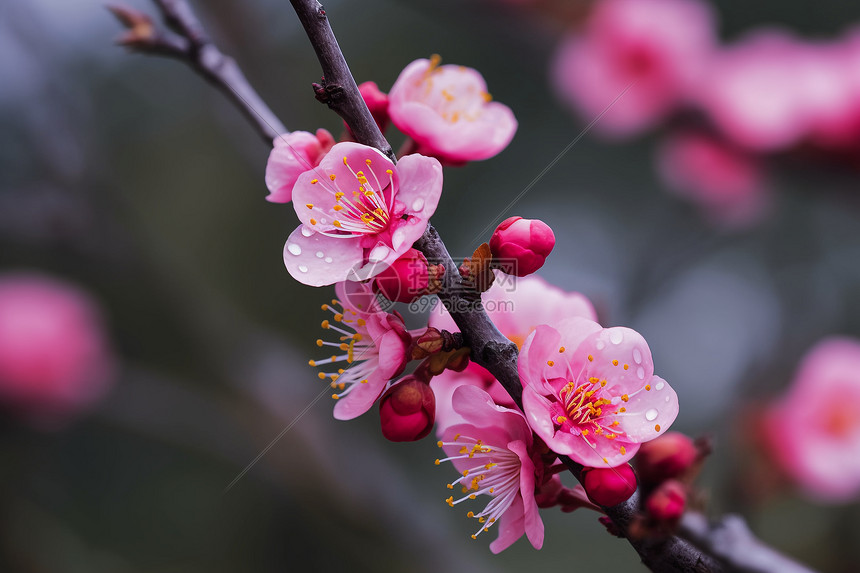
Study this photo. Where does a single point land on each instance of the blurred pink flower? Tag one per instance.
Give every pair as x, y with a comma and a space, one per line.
359, 213
656, 48
726, 183
371, 343
492, 450
516, 306
54, 355
754, 91
813, 431
590, 392
292, 155
448, 112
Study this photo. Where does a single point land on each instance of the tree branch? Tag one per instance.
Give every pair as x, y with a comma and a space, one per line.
338, 89
194, 47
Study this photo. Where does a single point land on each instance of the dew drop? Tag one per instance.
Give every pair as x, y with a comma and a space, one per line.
640, 372
615, 337
306, 232
323, 220
651, 415
418, 204
294, 249
637, 356
668, 399
328, 259
320, 254
600, 345
659, 385
303, 268
377, 254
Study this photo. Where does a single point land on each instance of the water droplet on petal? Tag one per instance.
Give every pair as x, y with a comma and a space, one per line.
294, 249
418, 204
615, 336
637, 356
320, 254
659, 385
640, 372
600, 345
668, 399
306, 232
303, 268
323, 220
328, 259
651, 415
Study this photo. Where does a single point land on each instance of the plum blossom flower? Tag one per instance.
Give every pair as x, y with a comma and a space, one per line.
656, 48
813, 431
521, 246
292, 155
55, 359
726, 183
359, 213
516, 306
590, 392
372, 343
492, 450
447, 111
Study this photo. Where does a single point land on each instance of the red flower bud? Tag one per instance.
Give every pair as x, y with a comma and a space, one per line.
667, 502
406, 279
521, 246
609, 486
377, 103
407, 410
666, 457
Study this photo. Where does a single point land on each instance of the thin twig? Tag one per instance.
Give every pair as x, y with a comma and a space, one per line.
193, 46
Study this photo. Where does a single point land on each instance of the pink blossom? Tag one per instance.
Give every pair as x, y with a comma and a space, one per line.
359, 213
292, 155
656, 48
728, 184
609, 486
516, 306
372, 343
813, 431
521, 246
668, 502
448, 112
668, 457
377, 103
492, 450
590, 392
406, 279
54, 355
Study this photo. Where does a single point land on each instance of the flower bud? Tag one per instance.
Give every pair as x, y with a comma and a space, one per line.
666, 457
377, 103
609, 486
407, 410
406, 279
521, 246
667, 502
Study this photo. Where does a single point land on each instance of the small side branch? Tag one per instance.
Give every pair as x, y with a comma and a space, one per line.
193, 46
731, 542
337, 88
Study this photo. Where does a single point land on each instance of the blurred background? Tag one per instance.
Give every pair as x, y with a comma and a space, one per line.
129, 181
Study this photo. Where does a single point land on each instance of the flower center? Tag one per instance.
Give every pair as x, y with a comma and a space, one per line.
359, 203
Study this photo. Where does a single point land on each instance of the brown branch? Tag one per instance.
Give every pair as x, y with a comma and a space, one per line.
193, 46
338, 88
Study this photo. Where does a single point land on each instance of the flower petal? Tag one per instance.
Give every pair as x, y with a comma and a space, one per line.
360, 399
317, 260
420, 185
649, 410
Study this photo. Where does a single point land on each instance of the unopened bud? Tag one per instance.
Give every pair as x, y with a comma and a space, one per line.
377, 103
407, 410
521, 246
609, 486
667, 502
406, 279
666, 457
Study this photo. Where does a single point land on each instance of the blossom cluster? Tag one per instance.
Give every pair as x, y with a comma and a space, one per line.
589, 393
769, 92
